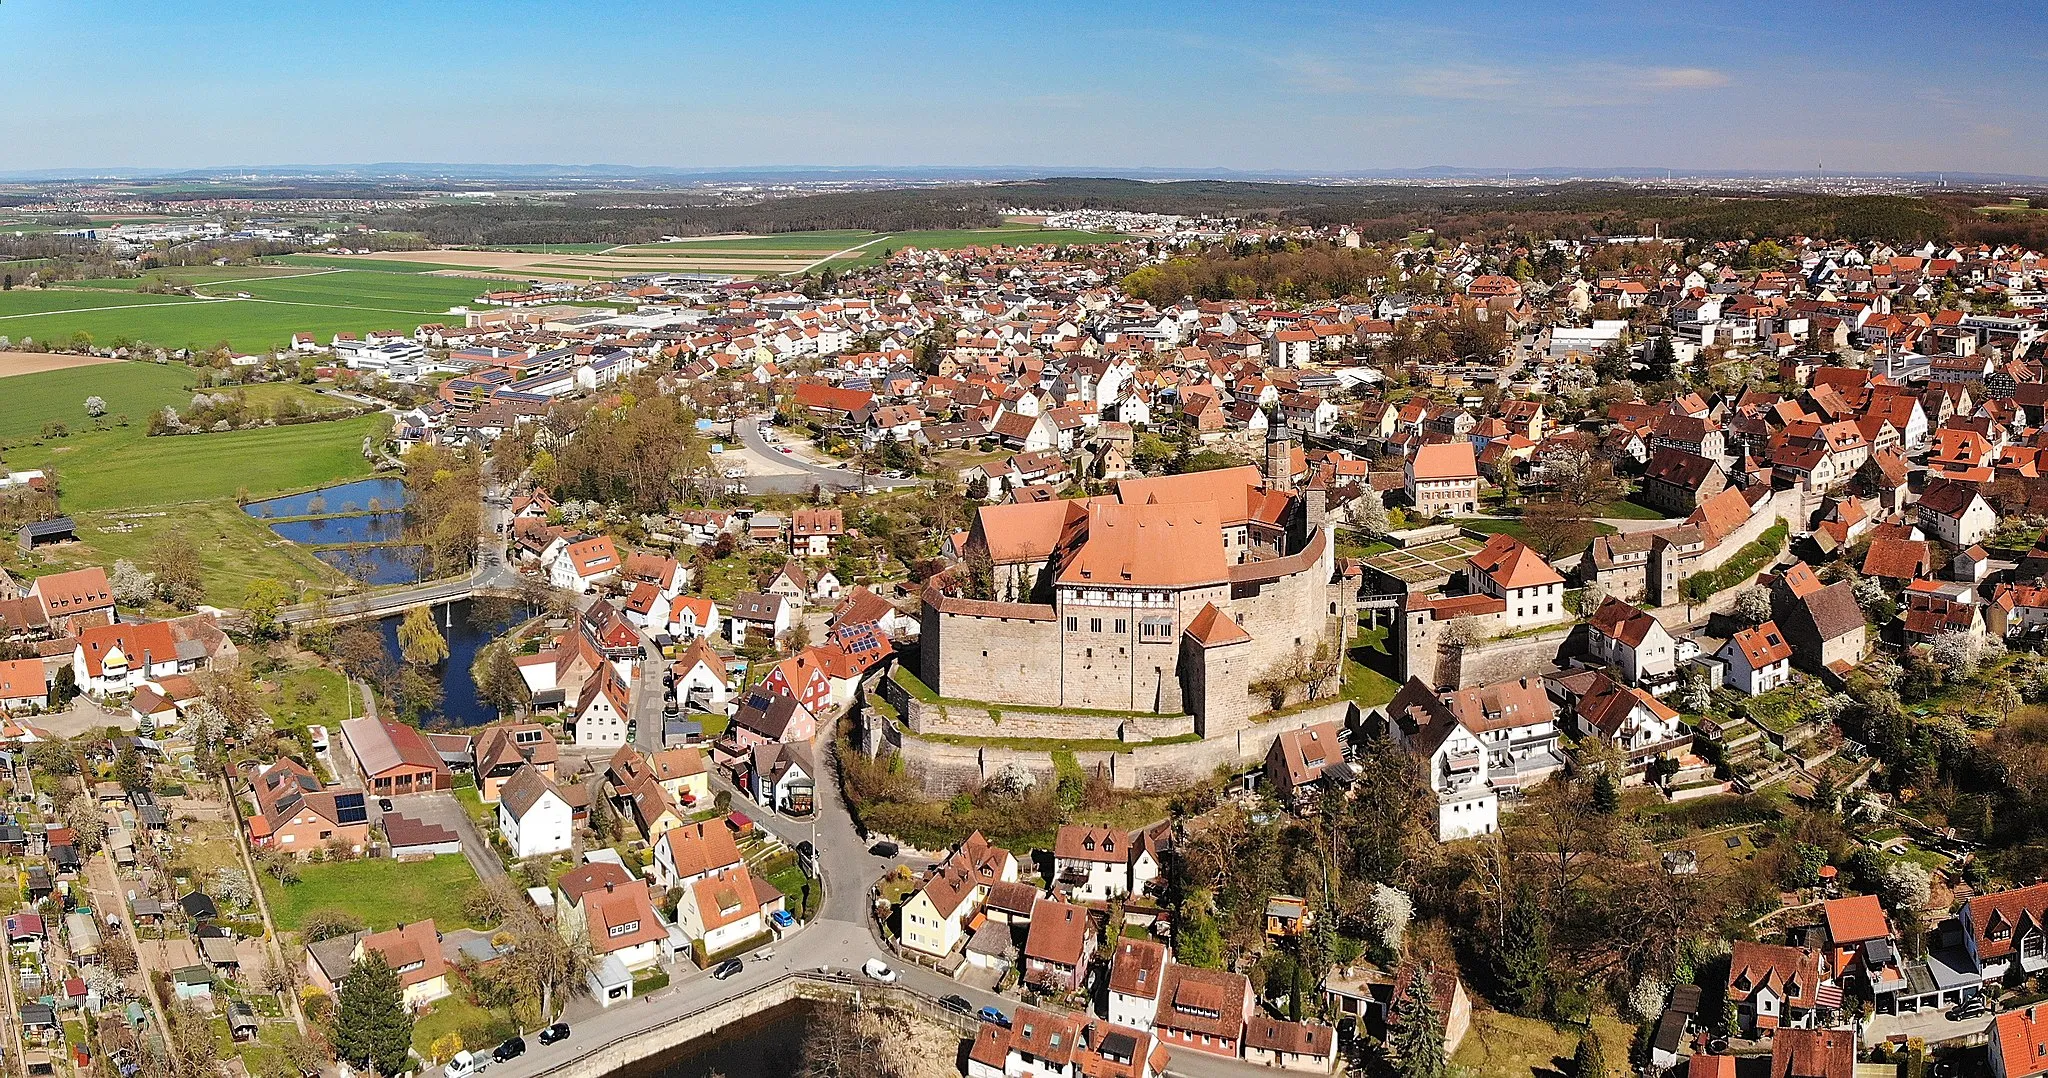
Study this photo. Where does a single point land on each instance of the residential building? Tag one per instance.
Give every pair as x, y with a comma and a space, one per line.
1203, 1009
533, 815
1058, 946
1137, 969
1443, 479
1756, 660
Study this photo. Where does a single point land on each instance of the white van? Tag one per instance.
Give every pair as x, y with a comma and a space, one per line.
465, 1065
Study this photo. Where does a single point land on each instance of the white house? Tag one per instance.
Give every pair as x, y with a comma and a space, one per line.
1507, 569
582, 564
1633, 641
722, 910
683, 855
1757, 660
533, 816
1455, 761
691, 616
1094, 863
1956, 514
701, 680
604, 712
113, 659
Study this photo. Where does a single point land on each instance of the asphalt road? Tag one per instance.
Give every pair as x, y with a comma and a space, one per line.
749, 433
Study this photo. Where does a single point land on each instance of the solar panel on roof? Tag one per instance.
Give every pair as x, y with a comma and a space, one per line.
349, 808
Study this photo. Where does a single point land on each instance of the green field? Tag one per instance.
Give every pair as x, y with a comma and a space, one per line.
189, 275
268, 395
380, 891
27, 401
121, 468
19, 306
322, 303
235, 550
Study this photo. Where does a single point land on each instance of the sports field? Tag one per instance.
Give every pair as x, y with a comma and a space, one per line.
251, 314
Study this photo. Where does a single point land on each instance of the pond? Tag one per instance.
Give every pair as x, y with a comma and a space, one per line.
467, 634
329, 531
353, 497
373, 565
767, 1045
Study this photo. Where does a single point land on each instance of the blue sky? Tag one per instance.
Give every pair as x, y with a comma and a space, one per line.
1871, 86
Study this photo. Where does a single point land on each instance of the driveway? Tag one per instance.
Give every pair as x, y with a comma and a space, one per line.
443, 809
84, 717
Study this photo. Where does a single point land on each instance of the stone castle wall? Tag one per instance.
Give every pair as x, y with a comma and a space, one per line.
944, 770
959, 718
1099, 657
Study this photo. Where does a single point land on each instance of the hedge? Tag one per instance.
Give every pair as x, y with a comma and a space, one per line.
1746, 563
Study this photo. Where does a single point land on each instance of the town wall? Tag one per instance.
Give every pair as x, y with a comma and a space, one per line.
1767, 513
1495, 661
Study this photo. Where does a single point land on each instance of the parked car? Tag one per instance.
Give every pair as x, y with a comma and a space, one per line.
883, 849
726, 969
464, 1065
384, 804
957, 1003
511, 1049
879, 970
990, 1014
1966, 1010
555, 1034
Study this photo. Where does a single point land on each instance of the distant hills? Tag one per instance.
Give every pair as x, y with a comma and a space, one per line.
416, 172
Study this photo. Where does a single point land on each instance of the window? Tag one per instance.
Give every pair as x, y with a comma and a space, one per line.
1073, 626
1155, 629
1094, 625
1122, 626
625, 929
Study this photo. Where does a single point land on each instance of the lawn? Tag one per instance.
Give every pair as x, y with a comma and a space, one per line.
1504, 1046
477, 1027
1364, 685
121, 467
235, 550
27, 401
1628, 509
308, 695
267, 396
380, 891
1491, 526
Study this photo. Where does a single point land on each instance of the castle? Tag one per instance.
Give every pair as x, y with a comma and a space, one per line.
1172, 597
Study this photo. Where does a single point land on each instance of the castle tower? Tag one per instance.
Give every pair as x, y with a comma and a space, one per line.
1279, 469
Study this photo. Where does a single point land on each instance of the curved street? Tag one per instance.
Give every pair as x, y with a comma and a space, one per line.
839, 941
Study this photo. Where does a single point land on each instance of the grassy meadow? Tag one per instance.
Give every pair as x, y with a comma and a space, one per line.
315, 299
